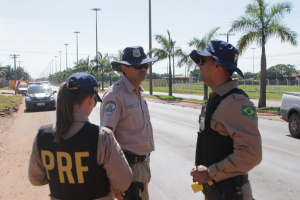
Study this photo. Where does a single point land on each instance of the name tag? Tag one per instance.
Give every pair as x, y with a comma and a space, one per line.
132, 105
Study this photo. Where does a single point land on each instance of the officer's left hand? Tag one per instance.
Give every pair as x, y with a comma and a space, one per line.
201, 174
119, 194
149, 176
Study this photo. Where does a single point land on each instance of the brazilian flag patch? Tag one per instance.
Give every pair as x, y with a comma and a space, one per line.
248, 111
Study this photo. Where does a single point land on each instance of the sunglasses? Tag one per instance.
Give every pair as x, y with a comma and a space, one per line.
95, 101
203, 60
139, 67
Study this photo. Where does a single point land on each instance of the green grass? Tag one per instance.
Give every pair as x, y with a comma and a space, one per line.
272, 109
6, 101
252, 95
7, 88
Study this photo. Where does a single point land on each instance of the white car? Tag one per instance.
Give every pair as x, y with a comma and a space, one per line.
290, 112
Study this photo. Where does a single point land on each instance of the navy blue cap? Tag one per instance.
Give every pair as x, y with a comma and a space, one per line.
132, 56
224, 53
84, 82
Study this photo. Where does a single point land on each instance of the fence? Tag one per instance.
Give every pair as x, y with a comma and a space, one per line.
275, 86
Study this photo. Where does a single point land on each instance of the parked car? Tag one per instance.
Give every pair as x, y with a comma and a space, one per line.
290, 112
40, 96
21, 87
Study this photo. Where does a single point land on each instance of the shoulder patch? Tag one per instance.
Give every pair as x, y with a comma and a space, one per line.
117, 146
110, 107
248, 111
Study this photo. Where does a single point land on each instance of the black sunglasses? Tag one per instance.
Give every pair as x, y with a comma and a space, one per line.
203, 60
139, 67
95, 101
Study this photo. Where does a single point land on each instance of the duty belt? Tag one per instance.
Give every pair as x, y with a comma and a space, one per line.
133, 158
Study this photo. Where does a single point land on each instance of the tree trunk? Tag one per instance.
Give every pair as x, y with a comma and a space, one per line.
263, 77
173, 68
170, 77
102, 76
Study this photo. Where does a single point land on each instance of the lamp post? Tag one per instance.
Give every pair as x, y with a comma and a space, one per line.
66, 56
253, 68
77, 44
150, 47
52, 67
55, 64
59, 61
96, 9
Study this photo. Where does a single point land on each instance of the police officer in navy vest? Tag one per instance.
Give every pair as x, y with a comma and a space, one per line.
229, 142
79, 160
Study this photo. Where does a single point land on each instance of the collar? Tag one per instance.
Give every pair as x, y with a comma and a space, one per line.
129, 85
223, 89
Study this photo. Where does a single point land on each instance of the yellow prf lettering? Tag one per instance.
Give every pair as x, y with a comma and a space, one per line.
79, 168
67, 168
50, 165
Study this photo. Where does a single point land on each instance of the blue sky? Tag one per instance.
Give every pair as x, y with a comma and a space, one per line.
37, 30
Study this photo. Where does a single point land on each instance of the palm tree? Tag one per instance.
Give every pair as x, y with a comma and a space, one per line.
117, 57
167, 51
102, 67
200, 45
83, 65
260, 22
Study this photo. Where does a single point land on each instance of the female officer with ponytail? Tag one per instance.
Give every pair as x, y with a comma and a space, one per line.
79, 160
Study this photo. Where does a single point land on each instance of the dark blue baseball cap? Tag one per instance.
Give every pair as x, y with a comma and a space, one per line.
224, 53
132, 56
84, 82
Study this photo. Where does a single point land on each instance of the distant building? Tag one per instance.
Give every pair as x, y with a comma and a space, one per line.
181, 78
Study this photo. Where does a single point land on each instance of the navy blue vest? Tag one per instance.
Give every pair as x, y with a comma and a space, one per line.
71, 165
213, 147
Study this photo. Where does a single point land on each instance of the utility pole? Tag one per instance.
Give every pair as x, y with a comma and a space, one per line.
228, 34
14, 56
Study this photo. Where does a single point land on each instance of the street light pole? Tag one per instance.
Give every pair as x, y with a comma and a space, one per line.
55, 64
66, 56
253, 69
59, 61
150, 48
77, 44
96, 9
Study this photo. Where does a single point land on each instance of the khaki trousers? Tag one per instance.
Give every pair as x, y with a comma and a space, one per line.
140, 172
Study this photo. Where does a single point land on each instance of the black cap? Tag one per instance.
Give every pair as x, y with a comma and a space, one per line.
224, 53
84, 82
132, 56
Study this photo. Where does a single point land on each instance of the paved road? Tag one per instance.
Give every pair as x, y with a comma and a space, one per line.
175, 129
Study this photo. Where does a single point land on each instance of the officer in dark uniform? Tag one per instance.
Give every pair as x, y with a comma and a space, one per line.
229, 142
78, 160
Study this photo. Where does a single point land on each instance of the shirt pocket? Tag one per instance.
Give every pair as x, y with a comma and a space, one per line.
135, 115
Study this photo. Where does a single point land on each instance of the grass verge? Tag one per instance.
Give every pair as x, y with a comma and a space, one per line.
6, 101
180, 99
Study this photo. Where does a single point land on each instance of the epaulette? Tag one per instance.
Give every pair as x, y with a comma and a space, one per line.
238, 97
115, 87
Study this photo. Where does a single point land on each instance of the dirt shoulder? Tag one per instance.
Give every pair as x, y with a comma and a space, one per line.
17, 133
